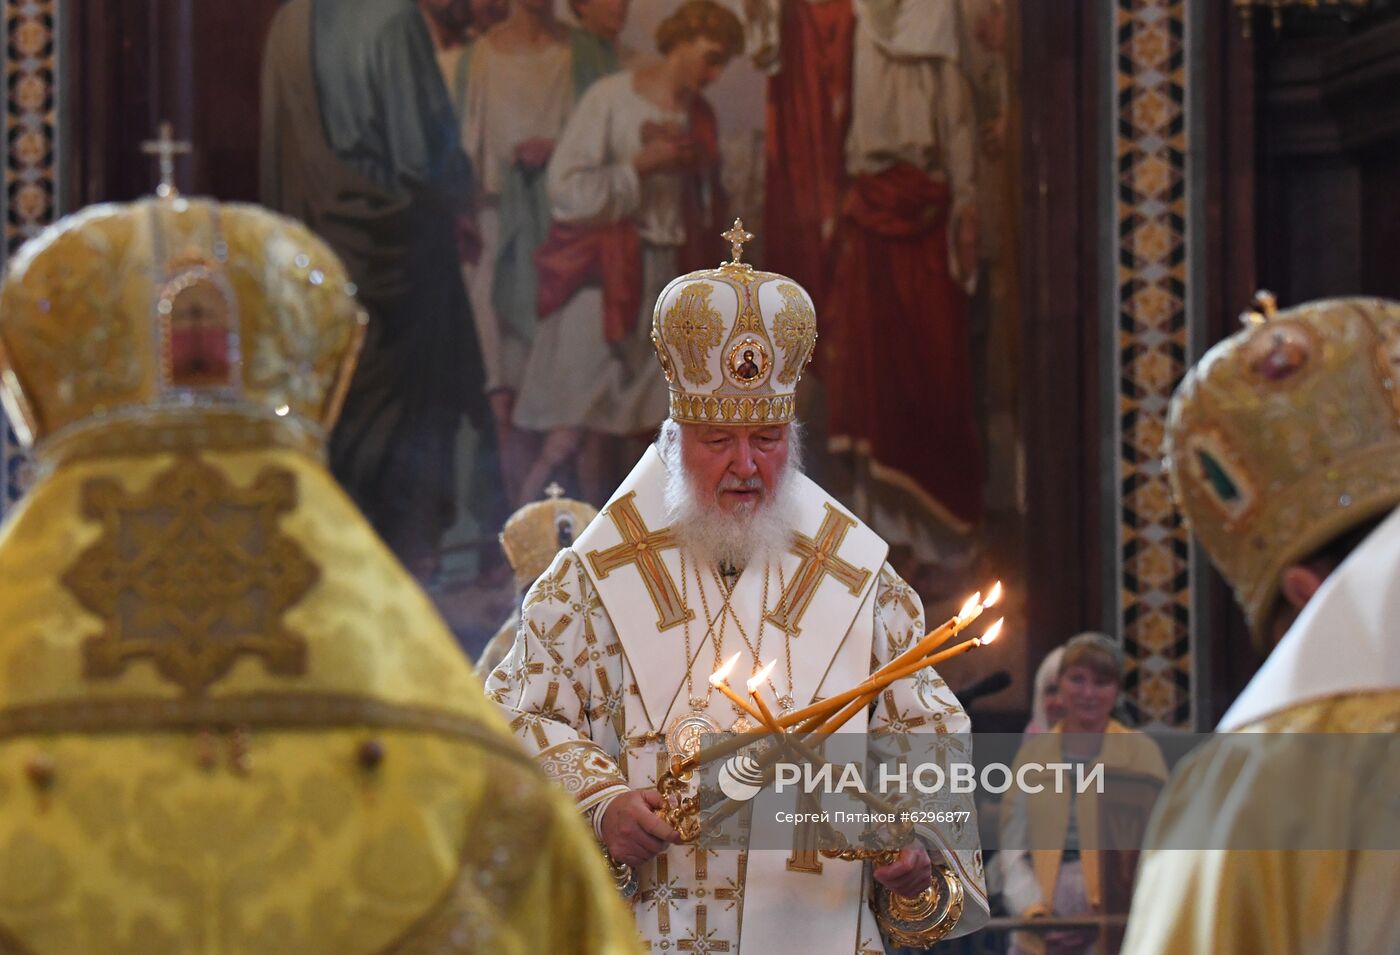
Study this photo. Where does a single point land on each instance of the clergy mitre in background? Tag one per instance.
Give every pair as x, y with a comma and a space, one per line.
1285, 436
733, 342
541, 529
125, 312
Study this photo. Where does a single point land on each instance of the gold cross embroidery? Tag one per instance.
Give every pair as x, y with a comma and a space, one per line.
702, 941
897, 723
804, 856
664, 895
531, 720
549, 639
729, 894
819, 561
549, 708
897, 591
643, 547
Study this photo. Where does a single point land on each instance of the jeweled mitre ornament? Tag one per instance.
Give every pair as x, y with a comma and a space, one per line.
1286, 435
126, 311
733, 341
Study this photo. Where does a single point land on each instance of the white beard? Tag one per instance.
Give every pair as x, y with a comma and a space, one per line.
754, 534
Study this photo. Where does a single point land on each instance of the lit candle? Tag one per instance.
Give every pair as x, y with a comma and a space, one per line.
755, 685
970, 611
719, 680
855, 706
942, 655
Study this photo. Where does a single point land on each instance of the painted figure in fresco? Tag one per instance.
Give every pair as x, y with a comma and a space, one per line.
514, 89
907, 251
518, 92
900, 111
805, 48
385, 183
635, 192
597, 51
453, 48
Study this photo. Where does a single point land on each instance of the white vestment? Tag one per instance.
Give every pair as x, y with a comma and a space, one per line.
599, 671
575, 378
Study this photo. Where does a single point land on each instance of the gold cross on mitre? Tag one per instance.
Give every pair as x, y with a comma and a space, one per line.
819, 561
1262, 308
167, 148
642, 546
736, 237
554, 492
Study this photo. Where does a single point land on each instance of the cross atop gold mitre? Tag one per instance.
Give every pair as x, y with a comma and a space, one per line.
1262, 308
166, 147
736, 237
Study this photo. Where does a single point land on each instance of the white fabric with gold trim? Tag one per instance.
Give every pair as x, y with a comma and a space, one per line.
831, 649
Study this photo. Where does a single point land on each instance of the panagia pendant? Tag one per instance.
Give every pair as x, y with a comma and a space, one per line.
684, 735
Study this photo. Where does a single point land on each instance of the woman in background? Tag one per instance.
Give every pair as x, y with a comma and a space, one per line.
1067, 880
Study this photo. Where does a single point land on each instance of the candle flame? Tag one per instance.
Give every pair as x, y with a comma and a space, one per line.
971, 607
992, 597
757, 679
722, 674
992, 633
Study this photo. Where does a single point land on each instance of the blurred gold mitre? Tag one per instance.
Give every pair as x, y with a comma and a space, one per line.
170, 306
1285, 436
541, 529
733, 342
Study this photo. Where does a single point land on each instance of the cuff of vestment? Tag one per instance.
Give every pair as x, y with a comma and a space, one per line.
942, 854
596, 811
584, 770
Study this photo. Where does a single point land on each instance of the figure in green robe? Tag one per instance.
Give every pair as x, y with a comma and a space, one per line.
360, 142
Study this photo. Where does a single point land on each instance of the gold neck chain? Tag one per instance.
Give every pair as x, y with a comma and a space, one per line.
698, 705
755, 646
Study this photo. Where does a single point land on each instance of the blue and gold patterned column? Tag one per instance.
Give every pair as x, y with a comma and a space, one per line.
31, 197
1151, 213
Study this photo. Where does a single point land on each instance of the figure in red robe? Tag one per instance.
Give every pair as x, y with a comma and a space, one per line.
898, 361
806, 47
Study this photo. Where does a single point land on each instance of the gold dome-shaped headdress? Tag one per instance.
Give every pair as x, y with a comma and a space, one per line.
1286, 435
733, 342
168, 305
540, 529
